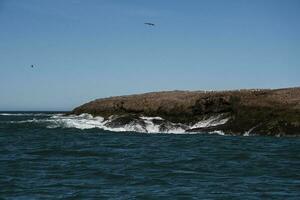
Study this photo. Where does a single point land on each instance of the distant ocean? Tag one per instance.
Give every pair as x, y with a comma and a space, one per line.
46, 155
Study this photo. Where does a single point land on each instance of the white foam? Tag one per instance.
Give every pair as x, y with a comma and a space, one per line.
87, 121
249, 132
151, 118
210, 122
217, 132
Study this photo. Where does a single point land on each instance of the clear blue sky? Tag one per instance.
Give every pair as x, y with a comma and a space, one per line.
86, 49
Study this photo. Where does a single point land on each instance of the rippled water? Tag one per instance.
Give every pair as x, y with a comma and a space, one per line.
38, 162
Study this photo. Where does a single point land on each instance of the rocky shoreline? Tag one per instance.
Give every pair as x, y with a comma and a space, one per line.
238, 112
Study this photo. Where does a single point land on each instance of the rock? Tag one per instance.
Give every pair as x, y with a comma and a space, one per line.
263, 112
123, 120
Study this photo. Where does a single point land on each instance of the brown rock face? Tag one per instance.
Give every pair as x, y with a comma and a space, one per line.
267, 112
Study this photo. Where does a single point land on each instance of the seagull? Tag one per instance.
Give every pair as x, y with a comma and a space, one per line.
149, 24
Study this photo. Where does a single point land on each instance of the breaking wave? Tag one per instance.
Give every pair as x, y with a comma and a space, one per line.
142, 125
212, 121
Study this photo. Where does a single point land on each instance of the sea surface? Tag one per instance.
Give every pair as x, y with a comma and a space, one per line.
50, 156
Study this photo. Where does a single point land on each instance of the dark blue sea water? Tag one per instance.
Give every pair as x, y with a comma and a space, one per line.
42, 161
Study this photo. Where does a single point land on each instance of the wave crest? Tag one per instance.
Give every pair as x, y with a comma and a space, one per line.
118, 124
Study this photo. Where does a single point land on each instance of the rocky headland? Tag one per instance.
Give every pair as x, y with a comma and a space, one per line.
237, 112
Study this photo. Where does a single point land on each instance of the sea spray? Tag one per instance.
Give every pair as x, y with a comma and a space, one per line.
142, 124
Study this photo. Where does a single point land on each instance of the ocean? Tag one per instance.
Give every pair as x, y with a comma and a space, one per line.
46, 155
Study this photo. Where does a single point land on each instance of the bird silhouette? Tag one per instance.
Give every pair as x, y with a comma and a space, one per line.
149, 24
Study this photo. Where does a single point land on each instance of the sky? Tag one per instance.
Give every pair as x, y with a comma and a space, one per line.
87, 49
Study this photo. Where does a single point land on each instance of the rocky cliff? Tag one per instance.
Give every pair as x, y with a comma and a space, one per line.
239, 112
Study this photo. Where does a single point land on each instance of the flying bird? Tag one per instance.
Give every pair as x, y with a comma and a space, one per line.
149, 24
